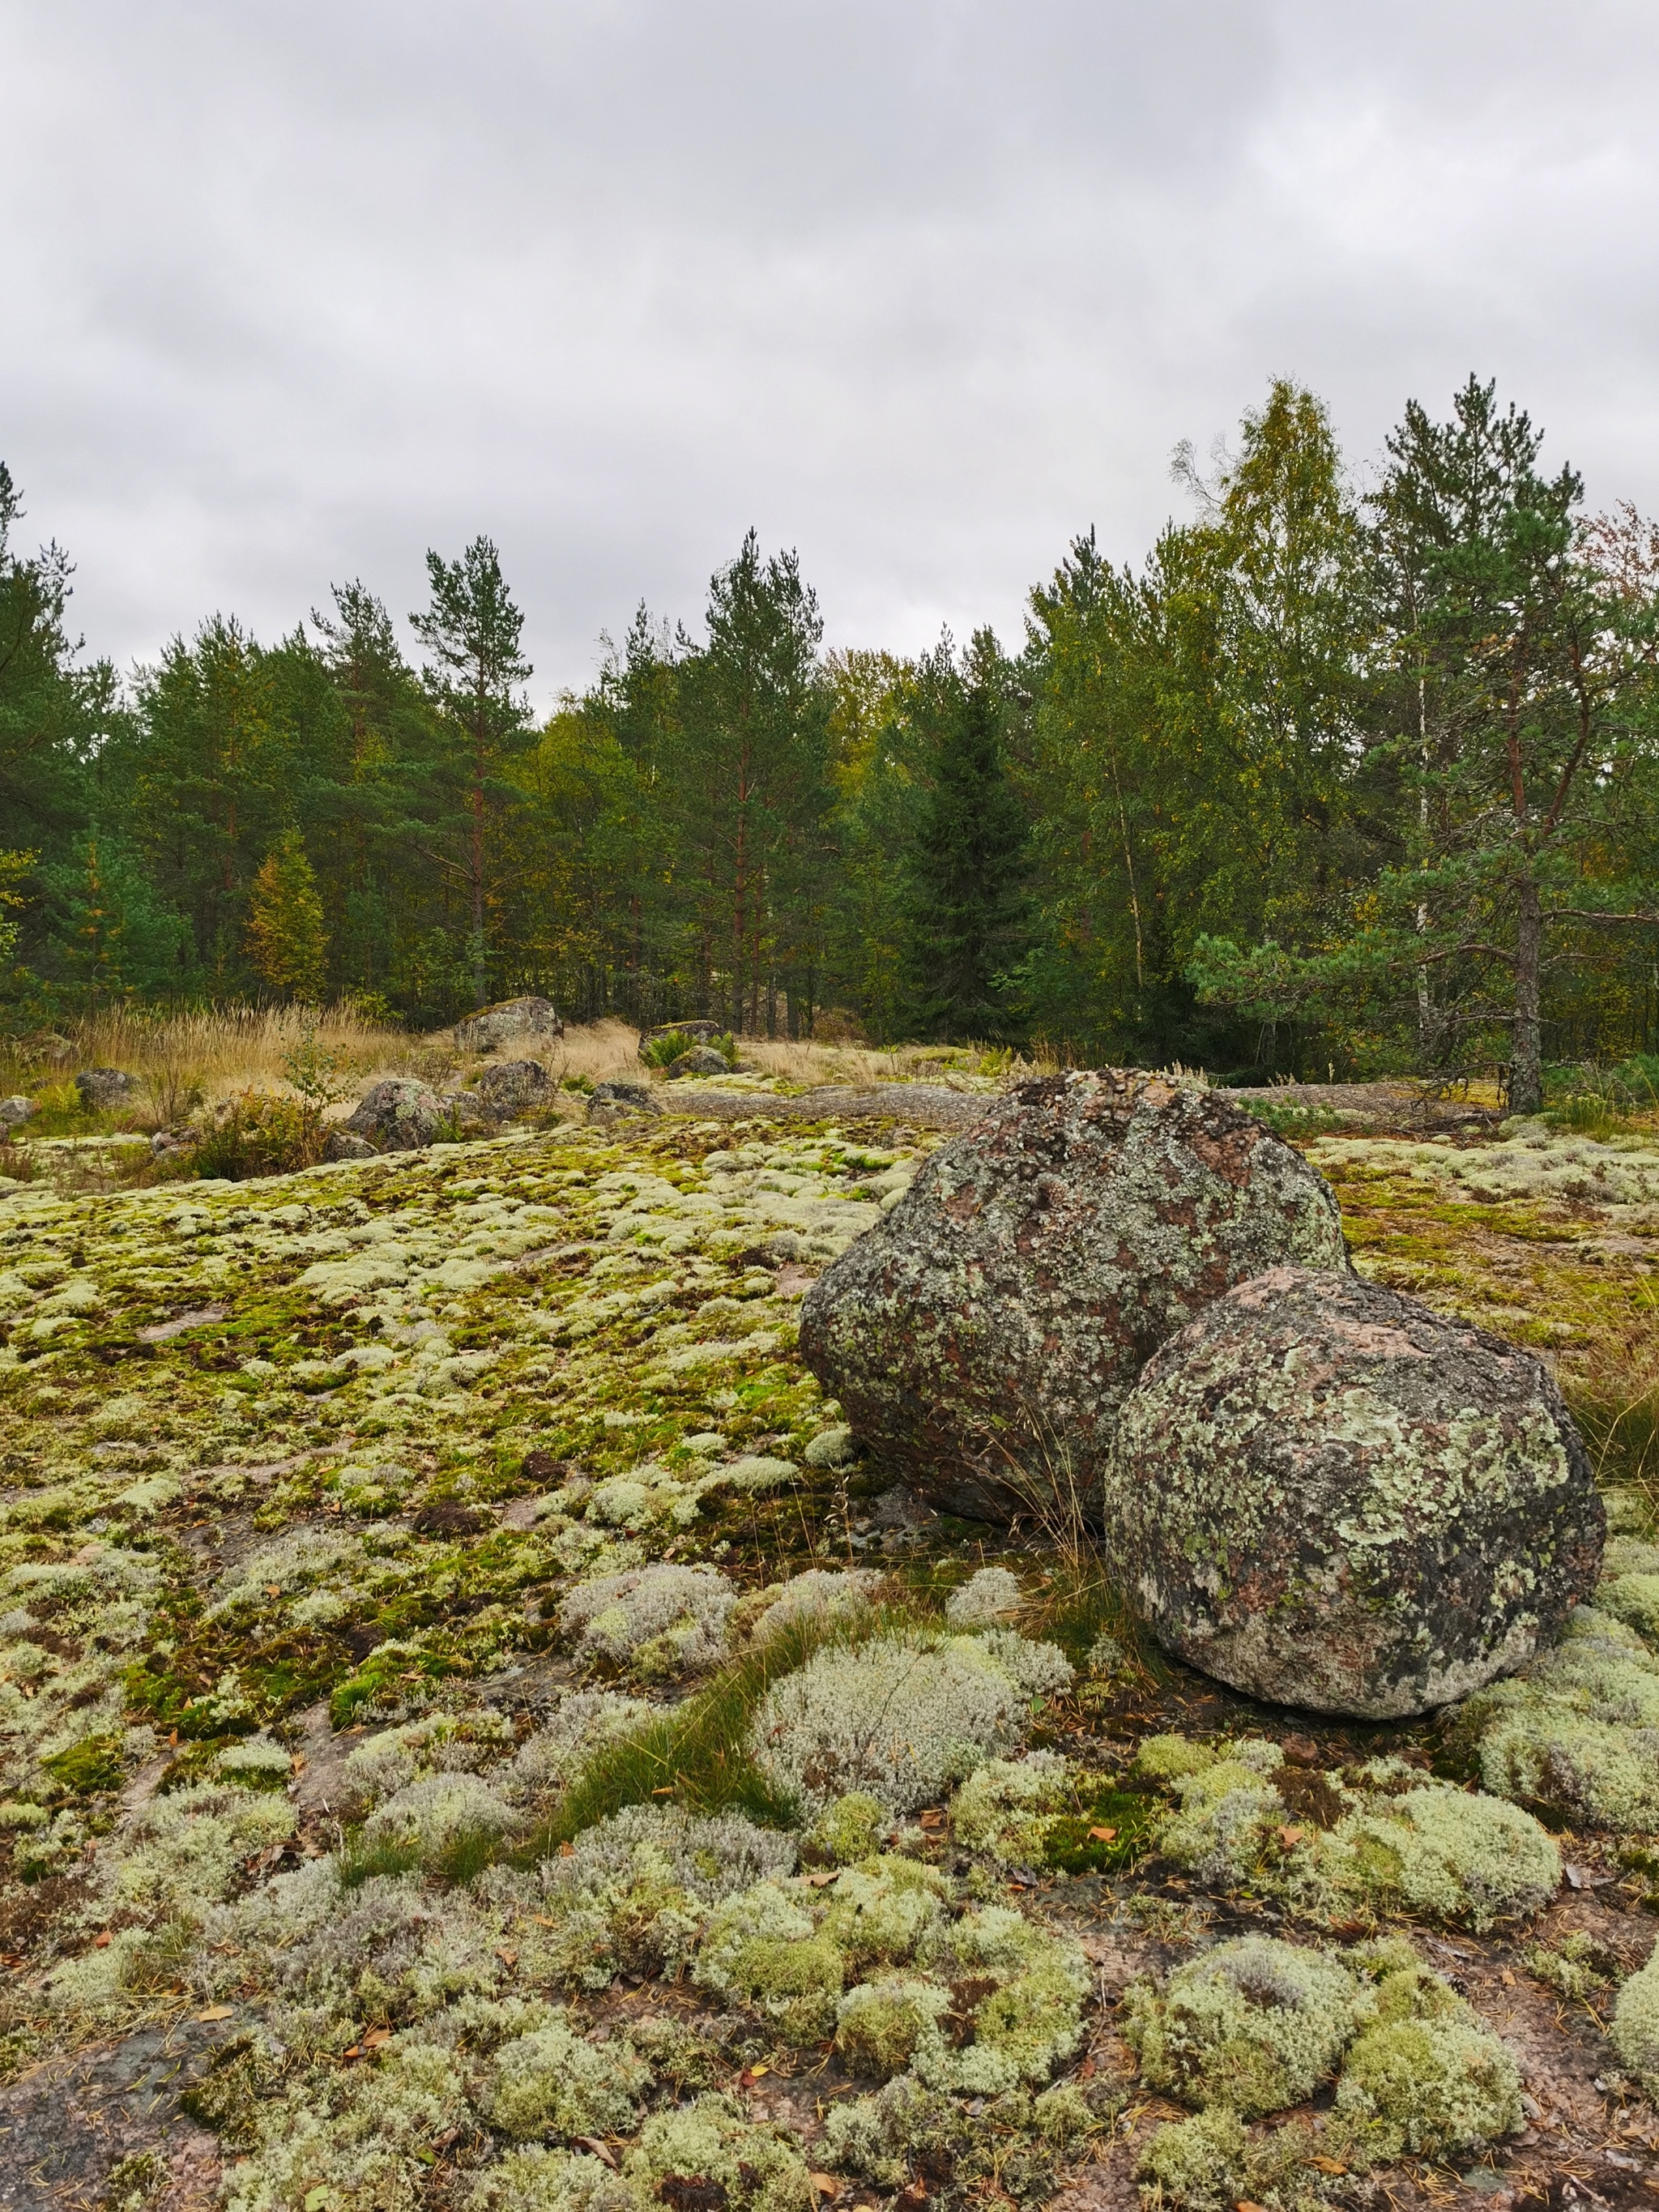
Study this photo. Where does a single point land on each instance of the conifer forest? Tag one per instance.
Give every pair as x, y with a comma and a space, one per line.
1356, 773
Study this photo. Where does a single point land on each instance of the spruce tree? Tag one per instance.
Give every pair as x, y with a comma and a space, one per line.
966, 868
286, 940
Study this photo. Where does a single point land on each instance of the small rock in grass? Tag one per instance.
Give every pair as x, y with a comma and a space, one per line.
102, 1088
15, 1111
983, 1335
1329, 1497
343, 1144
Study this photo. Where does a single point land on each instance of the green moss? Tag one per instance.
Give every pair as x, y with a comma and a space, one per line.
88, 1767
850, 1828
880, 2025
1202, 2165
1433, 2086
1447, 1853
1635, 2026
1253, 2024
554, 2082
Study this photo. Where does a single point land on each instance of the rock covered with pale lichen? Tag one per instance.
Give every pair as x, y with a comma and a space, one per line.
1330, 1497
987, 1328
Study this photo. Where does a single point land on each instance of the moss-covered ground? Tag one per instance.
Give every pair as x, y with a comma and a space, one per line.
318, 1885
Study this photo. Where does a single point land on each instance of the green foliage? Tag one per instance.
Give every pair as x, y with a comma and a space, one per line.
257, 1134
287, 940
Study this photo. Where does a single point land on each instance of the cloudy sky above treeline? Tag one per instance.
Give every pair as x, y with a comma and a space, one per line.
292, 289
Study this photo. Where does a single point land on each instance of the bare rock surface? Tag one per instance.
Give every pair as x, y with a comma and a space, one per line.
397, 1115
982, 1336
1329, 1497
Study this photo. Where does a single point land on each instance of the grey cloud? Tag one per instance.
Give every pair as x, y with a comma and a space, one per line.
292, 291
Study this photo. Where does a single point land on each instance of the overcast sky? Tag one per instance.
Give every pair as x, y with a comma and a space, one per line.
292, 289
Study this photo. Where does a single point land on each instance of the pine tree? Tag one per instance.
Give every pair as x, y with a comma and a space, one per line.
112, 936
968, 866
286, 940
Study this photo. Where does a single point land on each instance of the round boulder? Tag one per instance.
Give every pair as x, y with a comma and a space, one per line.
983, 1335
398, 1116
1329, 1497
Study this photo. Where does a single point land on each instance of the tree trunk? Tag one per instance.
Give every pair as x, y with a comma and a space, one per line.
1527, 1072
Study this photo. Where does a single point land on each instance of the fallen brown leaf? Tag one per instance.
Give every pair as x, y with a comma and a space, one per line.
1103, 1835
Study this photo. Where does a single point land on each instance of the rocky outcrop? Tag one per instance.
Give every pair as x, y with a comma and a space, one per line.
1329, 1497
102, 1088
491, 1027
398, 1116
514, 1086
982, 1336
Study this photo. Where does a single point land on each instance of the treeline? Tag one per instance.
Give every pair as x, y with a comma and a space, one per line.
1337, 780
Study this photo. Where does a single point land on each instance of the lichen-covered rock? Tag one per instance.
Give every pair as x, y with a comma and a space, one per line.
397, 1115
513, 1086
1329, 1497
101, 1088
616, 1095
15, 1111
489, 1030
982, 1336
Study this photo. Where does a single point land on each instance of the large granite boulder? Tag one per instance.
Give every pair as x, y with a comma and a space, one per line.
491, 1027
102, 1088
513, 1086
1329, 1497
397, 1114
981, 1335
